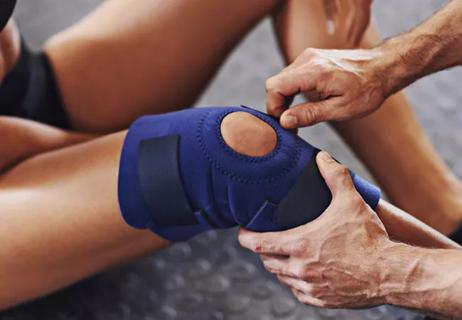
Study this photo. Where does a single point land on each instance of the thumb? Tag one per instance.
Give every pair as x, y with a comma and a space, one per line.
337, 176
278, 243
306, 114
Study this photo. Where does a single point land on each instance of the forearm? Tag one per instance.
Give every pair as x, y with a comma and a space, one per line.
434, 45
403, 227
424, 279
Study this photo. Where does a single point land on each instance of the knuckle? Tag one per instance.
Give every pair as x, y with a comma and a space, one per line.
309, 52
358, 202
316, 293
256, 246
340, 171
299, 272
307, 288
263, 246
272, 84
309, 114
299, 247
269, 84
343, 171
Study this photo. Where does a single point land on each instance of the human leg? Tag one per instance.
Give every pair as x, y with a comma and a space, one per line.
60, 219
146, 57
22, 139
390, 142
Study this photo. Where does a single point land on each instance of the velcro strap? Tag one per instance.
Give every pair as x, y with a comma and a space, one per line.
307, 199
160, 182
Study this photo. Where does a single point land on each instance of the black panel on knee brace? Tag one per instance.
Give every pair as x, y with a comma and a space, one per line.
30, 91
178, 177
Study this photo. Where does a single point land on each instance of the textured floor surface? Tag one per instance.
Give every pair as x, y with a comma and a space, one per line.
211, 277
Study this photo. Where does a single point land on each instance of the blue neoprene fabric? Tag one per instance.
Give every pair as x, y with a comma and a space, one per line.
179, 178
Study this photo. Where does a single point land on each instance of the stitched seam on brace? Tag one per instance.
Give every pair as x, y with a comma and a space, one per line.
236, 177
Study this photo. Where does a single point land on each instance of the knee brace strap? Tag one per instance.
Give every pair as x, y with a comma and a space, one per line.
30, 91
178, 177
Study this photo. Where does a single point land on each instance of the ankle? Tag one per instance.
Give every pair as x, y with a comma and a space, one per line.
453, 207
440, 207
447, 209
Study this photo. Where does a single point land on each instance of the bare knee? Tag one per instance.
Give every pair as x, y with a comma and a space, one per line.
301, 24
248, 135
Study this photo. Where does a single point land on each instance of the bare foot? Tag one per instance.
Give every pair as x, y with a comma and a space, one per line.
10, 48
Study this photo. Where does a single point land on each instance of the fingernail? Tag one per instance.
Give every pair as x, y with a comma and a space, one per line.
325, 156
289, 121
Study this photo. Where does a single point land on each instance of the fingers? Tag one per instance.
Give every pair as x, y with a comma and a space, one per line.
276, 243
310, 113
289, 268
296, 284
276, 102
307, 299
276, 264
281, 88
337, 176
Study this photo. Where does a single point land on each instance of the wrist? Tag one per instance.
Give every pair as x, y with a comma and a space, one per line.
409, 57
415, 279
401, 271
393, 67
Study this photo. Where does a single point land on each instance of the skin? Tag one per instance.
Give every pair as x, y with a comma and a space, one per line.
88, 62
9, 48
346, 258
78, 55
357, 21
22, 139
313, 259
64, 238
424, 172
256, 138
170, 53
67, 238
213, 30
354, 83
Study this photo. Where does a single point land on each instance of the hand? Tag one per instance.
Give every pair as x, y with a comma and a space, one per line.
348, 84
357, 19
334, 261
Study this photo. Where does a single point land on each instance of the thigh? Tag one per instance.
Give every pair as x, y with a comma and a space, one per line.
130, 58
60, 220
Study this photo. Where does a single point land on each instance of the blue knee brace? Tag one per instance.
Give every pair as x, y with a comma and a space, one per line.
179, 178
